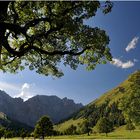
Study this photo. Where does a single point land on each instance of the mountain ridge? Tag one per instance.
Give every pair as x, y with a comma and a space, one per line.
120, 88
31, 110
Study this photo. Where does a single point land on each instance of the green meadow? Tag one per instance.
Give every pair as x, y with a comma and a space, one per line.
119, 133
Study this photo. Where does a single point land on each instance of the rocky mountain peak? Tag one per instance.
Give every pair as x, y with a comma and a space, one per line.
30, 111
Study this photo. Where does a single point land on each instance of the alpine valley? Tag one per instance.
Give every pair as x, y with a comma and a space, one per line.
65, 113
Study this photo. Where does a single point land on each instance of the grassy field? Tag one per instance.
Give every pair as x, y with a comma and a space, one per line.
114, 135
119, 133
65, 125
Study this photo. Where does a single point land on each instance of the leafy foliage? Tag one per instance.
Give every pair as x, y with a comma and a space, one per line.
104, 125
44, 127
1, 132
130, 126
42, 35
23, 133
130, 104
85, 127
8, 134
93, 113
71, 130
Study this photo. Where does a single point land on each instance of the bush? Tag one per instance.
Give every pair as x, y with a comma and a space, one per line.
104, 125
130, 126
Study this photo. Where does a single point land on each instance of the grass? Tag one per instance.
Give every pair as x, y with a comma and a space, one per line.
119, 133
66, 124
114, 135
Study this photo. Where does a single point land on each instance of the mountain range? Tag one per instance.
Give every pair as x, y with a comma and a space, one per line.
30, 111
65, 111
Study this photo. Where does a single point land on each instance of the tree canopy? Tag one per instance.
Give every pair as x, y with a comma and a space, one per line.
130, 126
130, 104
104, 125
44, 127
1, 132
42, 35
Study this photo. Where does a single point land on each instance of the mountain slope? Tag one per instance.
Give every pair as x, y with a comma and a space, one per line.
118, 92
30, 111
106, 105
12, 124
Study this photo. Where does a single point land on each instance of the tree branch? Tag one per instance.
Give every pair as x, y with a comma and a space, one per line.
13, 27
46, 34
15, 13
12, 51
23, 51
9, 62
70, 52
35, 22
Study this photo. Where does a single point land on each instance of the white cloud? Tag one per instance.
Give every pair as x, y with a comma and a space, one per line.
25, 86
25, 94
132, 44
121, 64
136, 60
9, 86
128, 64
25, 90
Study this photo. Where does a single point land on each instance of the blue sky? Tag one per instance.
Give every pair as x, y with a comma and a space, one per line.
123, 27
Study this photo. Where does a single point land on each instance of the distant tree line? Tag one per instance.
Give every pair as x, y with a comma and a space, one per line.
7, 133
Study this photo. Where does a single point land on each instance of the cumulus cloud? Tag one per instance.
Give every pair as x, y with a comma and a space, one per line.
132, 44
25, 93
121, 64
25, 86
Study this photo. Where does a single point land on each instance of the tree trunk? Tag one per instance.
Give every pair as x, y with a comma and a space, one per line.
88, 133
3, 15
3, 9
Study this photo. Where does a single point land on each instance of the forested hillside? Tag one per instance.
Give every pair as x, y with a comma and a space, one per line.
117, 106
